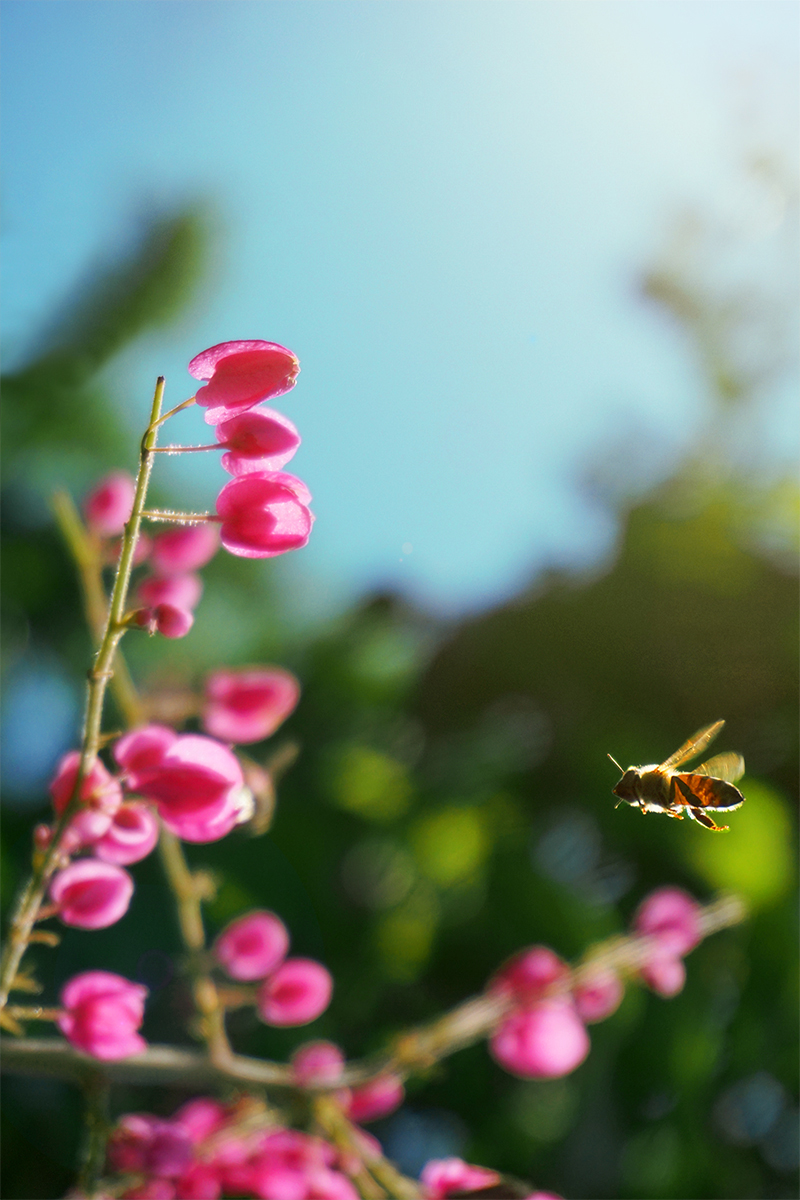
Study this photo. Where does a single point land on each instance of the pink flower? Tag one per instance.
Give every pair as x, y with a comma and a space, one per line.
542, 1042
188, 776
317, 1064
109, 504
252, 946
376, 1099
100, 797
598, 996
199, 1182
442, 1176
184, 591
671, 915
200, 1118
298, 992
246, 706
102, 1013
147, 1144
166, 619
263, 514
184, 549
241, 375
528, 975
91, 894
258, 440
131, 836
664, 974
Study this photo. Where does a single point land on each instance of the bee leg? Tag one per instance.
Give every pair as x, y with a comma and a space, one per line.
704, 819
670, 812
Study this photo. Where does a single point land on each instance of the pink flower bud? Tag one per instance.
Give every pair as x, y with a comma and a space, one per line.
671, 915
317, 1064
209, 825
664, 974
109, 504
258, 440
200, 1182
264, 514
186, 775
200, 1118
100, 797
252, 946
102, 1013
598, 996
442, 1177
246, 706
298, 992
240, 375
376, 1099
91, 894
184, 591
184, 549
171, 621
131, 836
528, 975
543, 1042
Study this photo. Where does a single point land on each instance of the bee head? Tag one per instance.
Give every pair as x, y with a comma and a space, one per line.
628, 787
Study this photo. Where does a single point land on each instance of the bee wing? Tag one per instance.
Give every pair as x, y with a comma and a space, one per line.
701, 791
728, 766
695, 745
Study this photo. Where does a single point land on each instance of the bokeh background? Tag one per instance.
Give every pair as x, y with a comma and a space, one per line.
538, 262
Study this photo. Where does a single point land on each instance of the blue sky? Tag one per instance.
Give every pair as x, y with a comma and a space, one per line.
441, 207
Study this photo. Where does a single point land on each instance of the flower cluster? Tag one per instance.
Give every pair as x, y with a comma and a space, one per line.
292, 991
321, 1065
544, 1034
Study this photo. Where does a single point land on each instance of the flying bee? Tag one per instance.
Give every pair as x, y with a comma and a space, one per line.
664, 789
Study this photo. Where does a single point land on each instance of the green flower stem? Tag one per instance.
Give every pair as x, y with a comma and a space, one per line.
30, 900
96, 1091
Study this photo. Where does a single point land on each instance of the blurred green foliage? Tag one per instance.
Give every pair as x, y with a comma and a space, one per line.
451, 803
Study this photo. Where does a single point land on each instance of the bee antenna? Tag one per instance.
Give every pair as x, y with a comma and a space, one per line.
616, 764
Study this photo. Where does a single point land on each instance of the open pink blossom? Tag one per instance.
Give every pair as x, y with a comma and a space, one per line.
442, 1176
599, 995
542, 1042
132, 835
100, 797
252, 946
187, 548
317, 1064
258, 440
91, 894
102, 1013
186, 775
241, 375
248, 705
298, 992
376, 1099
672, 916
264, 514
184, 591
209, 825
531, 973
109, 504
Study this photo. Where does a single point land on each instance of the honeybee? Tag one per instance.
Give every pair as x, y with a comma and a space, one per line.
664, 789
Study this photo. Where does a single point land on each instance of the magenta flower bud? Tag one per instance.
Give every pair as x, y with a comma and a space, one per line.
131, 836
298, 992
249, 705
264, 514
376, 1099
200, 1118
102, 1013
209, 825
252, 946
258, 440
241, 375
542, 1042
528, 975
171, 621
664, 974
100, 797
199, 1182
109, 504
442, 1177
318, 1064
129, 1142
91, 894
179, 551
183, 591
671, 915
186, 775
599, 996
